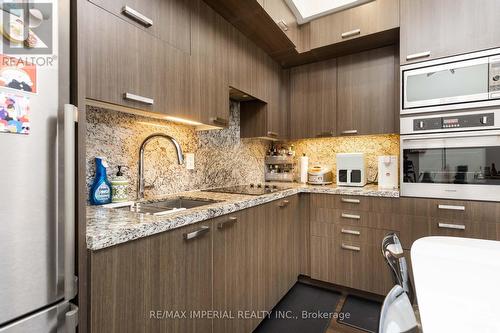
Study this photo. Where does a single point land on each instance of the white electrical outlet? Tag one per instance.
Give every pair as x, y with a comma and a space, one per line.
189, 161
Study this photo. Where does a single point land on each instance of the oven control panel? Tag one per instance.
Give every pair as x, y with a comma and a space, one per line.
452, 122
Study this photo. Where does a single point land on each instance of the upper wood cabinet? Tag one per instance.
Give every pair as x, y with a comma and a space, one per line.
118, 61
433, 29
313, 100
209, 92
169, 20
367, 19
284, 18
366, 92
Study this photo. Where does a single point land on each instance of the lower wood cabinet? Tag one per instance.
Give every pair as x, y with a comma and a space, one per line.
239, 264
136, 285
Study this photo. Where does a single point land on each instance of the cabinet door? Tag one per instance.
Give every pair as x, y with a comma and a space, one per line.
373, 17
433, 29
169, 20
118, 61
283, 17
238, 278
209, 66
366, 92
131, 282
313, 100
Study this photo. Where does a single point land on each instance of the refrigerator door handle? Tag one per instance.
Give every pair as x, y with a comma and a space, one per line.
70, 280
71, 319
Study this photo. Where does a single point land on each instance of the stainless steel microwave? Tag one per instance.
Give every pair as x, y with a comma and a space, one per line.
460, 82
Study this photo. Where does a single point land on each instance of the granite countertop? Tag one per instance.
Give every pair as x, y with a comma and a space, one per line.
107, 227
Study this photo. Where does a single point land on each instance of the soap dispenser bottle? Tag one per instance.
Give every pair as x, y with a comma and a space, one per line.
119, 187
100, 192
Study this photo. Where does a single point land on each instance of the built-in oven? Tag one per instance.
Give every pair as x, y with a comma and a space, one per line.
454, 156
454, 83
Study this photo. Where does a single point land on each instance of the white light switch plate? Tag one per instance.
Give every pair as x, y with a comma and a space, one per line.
189, 161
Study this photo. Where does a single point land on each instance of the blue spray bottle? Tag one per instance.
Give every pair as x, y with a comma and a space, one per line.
100, 192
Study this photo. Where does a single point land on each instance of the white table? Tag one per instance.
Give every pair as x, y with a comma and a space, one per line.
457, 283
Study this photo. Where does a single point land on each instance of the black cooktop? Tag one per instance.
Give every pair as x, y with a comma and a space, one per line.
252, 189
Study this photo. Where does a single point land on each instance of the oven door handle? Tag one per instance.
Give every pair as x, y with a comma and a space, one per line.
442, 140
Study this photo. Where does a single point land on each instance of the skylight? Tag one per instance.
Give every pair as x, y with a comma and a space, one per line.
307, 10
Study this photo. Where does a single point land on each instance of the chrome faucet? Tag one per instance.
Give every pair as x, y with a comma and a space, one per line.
180, 159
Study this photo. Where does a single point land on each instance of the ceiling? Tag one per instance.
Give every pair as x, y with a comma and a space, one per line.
307, 10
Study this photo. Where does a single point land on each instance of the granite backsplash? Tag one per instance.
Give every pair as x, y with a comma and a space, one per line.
322, 151
221, 157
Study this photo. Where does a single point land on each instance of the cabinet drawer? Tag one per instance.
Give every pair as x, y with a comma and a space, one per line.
457, 228
361, 266
118, 61
359, 236
450, 209
357, 203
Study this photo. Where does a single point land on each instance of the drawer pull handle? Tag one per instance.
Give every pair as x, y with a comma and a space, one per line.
325, 134
197, 233
351, 247
284, 203
351, 216
451, 226
418, 55
353, 201
140, 99
349, 132
231, 221
351, 33
451, 207
350, 232
134, 14
282, 24
272, 134
219, 121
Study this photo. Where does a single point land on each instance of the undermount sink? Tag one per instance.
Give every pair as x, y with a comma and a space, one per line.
161, 207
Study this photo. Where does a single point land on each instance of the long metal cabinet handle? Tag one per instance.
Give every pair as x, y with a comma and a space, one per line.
350, 232
351, 216
349, 132
351, 247
282, 24
354, 201
197, 233
451, 226
452, 207
138, 98
69, 176
139, 17
351, 33
418, 55
232, 220
284, 203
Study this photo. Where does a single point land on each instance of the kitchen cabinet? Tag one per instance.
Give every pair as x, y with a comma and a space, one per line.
267, 119
165, 272
255, 261
434, 29
168, 20
209, 94
362, 21
284, 18
118, 61
313, 100
367, 92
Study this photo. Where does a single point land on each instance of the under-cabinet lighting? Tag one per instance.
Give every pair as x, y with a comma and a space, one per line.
182, 121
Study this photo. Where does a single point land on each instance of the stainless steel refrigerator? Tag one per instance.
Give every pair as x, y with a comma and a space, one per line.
37, 185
